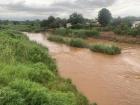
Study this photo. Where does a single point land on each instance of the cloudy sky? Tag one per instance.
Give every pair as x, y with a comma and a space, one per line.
41, 9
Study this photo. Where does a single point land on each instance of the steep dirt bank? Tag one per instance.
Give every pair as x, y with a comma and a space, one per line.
111, 36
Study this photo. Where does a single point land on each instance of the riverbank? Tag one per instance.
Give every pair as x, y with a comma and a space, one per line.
108, 80
29, 75
111, 36
106, 35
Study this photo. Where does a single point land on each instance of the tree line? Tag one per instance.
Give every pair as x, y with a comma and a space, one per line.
77, 20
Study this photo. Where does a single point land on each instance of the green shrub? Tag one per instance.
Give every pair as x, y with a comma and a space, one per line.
55, 38
76, 33
62, 31
26, 72
77, 43
84, 33
126, 30
92, 33
33, 93
108, 49
36, 72
78, 26
18, 48
36, 94
10, 97
62, 85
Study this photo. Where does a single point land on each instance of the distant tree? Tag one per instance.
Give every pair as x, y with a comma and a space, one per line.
117, 21
53, 22
49, 23
44, 23
63, 22
76, 18
104, 17
125, 20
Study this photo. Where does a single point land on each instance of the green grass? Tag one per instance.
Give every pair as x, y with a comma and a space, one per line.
77, 42
74, 42
28, 75
107, 49
126, 30
22, 27
57, 39
76, 33
81, 43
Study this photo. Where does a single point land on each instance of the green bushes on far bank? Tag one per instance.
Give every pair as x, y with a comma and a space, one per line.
74, 42
76, 33
124, 29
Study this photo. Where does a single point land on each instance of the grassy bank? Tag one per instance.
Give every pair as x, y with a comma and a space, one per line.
28, 75
22, 27
81, 43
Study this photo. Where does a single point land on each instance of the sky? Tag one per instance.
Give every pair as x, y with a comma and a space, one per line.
41, 9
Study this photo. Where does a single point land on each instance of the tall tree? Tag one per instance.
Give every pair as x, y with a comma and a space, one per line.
104, 17
76, 18
49, 23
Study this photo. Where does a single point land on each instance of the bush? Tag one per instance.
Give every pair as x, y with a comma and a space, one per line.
37, 72
77, 43
107, 49
78, 26
10, 97
126, 30
76, 33
62, 31
92, 33
26, 70
16, 47
55, 38
33, 93
134, 31
36, 94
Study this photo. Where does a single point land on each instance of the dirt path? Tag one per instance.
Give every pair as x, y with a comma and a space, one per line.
108, 80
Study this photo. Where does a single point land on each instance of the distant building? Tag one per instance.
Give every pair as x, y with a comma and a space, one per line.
69, 25
135, 24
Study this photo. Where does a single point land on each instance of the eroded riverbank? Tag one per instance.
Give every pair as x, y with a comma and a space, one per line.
108, 80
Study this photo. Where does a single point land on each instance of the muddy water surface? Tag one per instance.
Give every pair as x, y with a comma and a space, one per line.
108, 80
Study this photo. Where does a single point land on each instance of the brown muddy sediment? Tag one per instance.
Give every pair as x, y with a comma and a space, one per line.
108, 80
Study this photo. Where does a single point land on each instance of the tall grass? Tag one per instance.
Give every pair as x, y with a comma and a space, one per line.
80, 43
77, 33
74, 42
107, 49
28, 75
58, 39
127, 30
77, 43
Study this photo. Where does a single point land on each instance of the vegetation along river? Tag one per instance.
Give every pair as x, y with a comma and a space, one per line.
105, 79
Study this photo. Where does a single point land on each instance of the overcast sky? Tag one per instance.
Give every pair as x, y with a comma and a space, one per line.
41, 9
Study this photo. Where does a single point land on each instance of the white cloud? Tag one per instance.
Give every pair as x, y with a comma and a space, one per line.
34, 9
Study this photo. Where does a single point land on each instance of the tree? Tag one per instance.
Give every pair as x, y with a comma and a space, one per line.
104, 17
49, 23
44, 23
117, 21
76, 18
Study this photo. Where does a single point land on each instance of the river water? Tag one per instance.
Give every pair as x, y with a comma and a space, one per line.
104, 79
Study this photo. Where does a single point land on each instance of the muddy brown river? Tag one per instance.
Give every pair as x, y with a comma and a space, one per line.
104, 79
